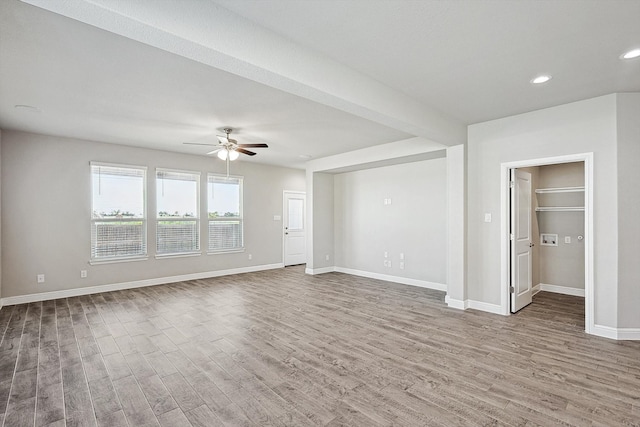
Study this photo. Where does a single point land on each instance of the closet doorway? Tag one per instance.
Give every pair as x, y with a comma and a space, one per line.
548, 230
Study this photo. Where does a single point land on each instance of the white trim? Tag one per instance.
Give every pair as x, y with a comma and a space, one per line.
314, 271
535, 289
233, 251
475, 305
67, 293
178, 255
117, 260
117, 165
587, 158
396, 279
565, 290
455, 303
484, 306
631, 334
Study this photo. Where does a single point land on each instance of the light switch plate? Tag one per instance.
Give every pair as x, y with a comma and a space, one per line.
487, 217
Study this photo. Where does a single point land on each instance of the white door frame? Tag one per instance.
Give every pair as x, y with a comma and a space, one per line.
587, 158
284, 207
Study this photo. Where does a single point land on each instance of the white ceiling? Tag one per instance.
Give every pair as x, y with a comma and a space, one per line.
314, 77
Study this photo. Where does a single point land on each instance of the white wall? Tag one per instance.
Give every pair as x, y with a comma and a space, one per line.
628, 108
46, 196
413, 224
585, 126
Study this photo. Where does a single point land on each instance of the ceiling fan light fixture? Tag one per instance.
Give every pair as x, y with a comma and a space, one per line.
232, 154
633, 53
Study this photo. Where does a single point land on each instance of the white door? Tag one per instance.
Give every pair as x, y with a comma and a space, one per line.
295, 241
521, 240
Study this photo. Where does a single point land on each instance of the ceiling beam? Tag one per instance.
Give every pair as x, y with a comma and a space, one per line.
207, 33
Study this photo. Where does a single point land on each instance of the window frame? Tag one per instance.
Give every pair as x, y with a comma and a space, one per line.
93, 260
220, 178
195, 220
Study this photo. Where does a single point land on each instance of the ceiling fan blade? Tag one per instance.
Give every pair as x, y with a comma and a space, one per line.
247, 152
215, 151
253, 146
200, 143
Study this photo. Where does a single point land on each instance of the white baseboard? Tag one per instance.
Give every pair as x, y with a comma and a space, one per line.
313, 271
455, 303
631, 334
485, 306
565, 290
395, 279
476, 305
535, 289
67, 293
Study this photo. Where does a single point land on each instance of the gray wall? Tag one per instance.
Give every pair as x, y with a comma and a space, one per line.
561, 265
413, 224
46, 196
628, 108
323, 223
585, 126
0, 213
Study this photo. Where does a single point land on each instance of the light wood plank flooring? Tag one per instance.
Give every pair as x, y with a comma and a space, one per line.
279, 348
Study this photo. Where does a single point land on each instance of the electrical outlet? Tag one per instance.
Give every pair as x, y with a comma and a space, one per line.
389, 263
83, 274
250, 257
40, 278
401, 265
326, 257
567, 239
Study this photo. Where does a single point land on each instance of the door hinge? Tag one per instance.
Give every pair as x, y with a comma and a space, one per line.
511, 236
512, 184
512, 289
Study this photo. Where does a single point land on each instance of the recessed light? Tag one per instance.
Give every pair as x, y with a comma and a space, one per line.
633, 53
541, 79
28, 108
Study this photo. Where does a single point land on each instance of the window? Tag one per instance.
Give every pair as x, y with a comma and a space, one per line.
118, 212
178, 227
225, 213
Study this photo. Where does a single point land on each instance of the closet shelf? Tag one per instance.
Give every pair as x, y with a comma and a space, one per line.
560, 190
560, 209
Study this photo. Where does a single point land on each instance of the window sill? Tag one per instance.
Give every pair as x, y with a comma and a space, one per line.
230, 251
179, 255
116, 260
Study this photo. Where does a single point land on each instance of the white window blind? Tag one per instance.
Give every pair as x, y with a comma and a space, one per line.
224, 209
118, 212
178, 224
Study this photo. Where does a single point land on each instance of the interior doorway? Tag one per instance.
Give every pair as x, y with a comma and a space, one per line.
547, 230
294, 228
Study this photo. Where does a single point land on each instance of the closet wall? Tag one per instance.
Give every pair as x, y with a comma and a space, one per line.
562, 264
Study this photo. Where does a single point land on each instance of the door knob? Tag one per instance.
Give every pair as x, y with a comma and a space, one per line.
531, 245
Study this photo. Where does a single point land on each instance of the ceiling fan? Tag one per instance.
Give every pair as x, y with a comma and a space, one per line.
229, 149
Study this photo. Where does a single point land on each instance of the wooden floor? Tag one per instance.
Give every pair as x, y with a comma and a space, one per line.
282, 348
